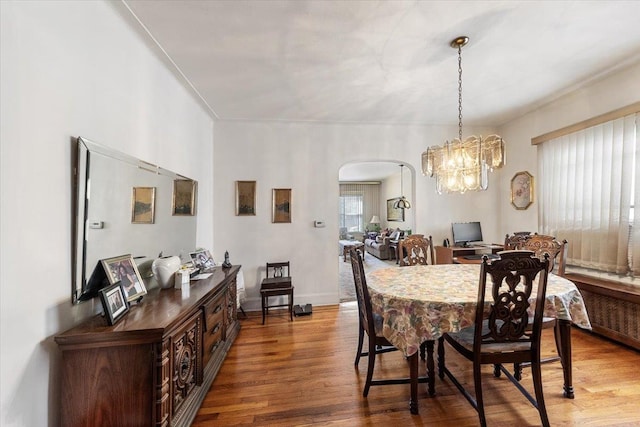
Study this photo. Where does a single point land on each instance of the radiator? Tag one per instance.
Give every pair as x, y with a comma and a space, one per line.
613, 308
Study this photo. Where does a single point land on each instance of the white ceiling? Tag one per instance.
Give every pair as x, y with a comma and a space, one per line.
388, 61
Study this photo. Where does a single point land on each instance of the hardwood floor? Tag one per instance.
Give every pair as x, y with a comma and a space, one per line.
300, 373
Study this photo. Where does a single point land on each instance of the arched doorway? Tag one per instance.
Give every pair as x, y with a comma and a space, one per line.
367, 190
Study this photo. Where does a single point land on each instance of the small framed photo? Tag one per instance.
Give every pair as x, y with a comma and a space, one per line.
281, 205
394, 214
123, 269
245, 198
522, 190
114, 303
143, 200
184, 197
202, 260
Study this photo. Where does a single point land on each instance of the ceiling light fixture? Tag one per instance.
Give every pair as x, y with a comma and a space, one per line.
461, 166
401, 203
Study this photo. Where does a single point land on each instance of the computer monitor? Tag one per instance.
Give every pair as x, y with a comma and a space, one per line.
465, 232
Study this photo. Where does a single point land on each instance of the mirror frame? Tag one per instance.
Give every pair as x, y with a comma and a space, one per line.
84, 286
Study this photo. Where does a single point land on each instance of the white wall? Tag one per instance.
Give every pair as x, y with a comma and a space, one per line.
307, 158
68, 69
607, 94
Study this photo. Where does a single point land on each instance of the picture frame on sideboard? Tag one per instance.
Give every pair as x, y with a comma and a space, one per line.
114, 303
123, 269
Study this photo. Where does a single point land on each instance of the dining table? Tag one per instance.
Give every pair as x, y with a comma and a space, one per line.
420, 303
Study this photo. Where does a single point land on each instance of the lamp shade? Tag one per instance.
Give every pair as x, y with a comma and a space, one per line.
375, 220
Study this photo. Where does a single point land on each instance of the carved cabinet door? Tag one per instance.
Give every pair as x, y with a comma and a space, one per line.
186, 356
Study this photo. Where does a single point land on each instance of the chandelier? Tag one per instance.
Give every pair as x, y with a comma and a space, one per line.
463, 165
401, 203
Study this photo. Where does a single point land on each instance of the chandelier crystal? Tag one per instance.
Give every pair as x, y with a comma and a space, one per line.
463, 165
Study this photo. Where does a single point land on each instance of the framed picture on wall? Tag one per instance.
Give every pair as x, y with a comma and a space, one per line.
123, 269
184, 197
522, 190
245, 198
281, 205
143, 200
394, 214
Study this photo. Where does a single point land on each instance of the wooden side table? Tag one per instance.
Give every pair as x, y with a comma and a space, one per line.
394, 246
348, 244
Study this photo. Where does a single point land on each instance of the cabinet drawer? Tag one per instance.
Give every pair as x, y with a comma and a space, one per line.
214, 312
212, 341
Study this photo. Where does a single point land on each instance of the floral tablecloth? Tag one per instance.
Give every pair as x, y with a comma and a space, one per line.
421, 303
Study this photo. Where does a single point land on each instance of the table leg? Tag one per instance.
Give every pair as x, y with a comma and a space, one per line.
413, 376
563, 331
431, 368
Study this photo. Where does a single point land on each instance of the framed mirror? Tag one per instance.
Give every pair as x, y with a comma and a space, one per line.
113, 192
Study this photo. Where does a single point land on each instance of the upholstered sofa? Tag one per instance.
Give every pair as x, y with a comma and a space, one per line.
378, 246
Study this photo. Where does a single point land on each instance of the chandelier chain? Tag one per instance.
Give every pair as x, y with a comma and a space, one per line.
460, 92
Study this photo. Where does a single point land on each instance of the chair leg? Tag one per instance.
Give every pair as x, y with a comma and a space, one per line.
477, 379
264, 303
291, 306
517, 371
370, 365
360, 340
556, 336
536, 373
441, 358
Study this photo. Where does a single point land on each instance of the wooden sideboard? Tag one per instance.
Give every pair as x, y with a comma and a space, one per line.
155, 365
446, 254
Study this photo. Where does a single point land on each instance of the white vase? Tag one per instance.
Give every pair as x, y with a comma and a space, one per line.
164, 269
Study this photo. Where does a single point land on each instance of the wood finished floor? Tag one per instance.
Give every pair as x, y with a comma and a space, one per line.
301, 373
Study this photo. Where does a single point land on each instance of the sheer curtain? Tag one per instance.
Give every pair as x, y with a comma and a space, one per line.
587, 182
358, 203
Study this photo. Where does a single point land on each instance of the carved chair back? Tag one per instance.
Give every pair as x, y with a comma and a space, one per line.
510, 287
515, 241
416, 250
278, 269
362, 293
556, 249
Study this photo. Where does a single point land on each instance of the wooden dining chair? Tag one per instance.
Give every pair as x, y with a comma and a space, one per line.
371, 325
557, 250
502, 335
416, 250
515, 240
277, 283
